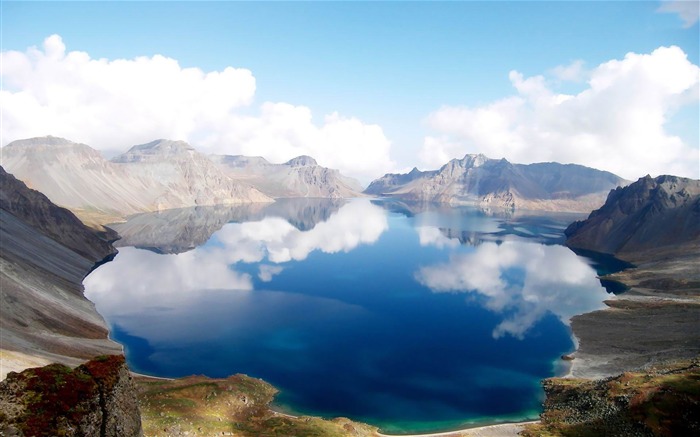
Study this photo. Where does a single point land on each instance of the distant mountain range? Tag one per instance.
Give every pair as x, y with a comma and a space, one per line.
650, 216
478, 180
165, 174
298, 177
161, 175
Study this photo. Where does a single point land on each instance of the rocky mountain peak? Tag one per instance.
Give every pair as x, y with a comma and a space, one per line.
49, 140
647, 215
158, 149
46, 144
302, 161
474, 160
240, 161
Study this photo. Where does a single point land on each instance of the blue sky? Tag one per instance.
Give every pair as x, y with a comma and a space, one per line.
388, 65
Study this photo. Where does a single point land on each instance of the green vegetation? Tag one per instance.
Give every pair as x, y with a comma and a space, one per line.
237, 405
662, 401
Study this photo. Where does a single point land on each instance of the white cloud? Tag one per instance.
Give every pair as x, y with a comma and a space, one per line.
114, 104
616, 123
554, 280
573, 72
687, 10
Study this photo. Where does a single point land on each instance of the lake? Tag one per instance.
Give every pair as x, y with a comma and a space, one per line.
408, 317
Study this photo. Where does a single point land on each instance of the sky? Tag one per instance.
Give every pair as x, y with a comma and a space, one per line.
364, 87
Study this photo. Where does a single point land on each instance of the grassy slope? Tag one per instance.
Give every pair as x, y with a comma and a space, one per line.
660, 402
237, 405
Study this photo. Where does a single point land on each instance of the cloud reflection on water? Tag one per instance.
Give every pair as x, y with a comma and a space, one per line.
153, 279
521, 280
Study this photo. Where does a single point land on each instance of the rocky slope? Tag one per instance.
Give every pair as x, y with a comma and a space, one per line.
480, 181
97, 398
655, 224
159, 175
298, 177
656, 402
650, 215
46, 253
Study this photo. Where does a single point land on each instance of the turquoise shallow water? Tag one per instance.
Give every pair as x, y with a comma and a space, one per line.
409, 318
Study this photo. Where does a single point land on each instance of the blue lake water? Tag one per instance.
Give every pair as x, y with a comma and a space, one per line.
410, 318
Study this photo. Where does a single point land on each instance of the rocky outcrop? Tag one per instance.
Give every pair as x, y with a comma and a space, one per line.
46, 253
97, 399
298, 177
478, 180
656, 402
159, 175
650, 215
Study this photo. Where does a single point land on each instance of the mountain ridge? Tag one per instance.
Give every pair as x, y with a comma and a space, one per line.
481, 181
159, 175
301, 176
649, 215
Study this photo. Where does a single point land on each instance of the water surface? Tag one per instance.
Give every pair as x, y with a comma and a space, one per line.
410, 318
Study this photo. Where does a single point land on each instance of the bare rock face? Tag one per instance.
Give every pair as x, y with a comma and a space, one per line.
97, 398
298, 177
159, 175
59, 224
484, 182
46, 253
652, 214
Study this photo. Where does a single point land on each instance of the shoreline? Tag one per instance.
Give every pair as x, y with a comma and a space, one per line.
496, 430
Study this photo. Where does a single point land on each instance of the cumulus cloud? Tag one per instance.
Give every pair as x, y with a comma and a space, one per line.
114, 104
552, 280
687, 10
617, 123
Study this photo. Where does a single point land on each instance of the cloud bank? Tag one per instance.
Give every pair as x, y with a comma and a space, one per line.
114, 104
617, 123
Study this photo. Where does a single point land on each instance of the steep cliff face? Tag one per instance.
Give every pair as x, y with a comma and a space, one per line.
298, 177
478, 180
97, 398
652, 214
36, 210
159, 175
46, 253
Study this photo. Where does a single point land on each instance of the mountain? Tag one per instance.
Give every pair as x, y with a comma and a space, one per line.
650, 215
46, 253
187, 177
478, 180
159, 175
298, 177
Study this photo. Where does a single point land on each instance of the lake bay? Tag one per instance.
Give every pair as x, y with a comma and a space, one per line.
411, 318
